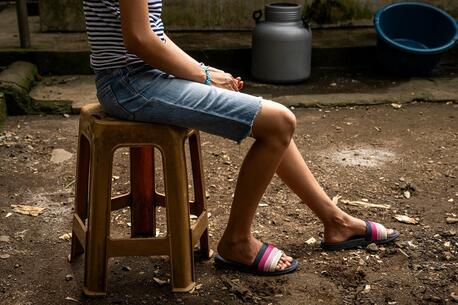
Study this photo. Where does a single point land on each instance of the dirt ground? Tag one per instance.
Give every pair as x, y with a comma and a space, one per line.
406, 158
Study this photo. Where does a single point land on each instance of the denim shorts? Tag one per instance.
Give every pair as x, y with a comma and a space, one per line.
141, 93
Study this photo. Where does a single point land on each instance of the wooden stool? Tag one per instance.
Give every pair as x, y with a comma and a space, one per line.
99, 137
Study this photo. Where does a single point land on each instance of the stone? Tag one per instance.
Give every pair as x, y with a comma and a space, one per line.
69, 277
59, 155
4, 238
372, 247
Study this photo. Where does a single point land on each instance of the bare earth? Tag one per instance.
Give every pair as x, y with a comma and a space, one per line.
376, 154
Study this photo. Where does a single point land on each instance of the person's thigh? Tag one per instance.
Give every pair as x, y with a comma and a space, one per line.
150, 95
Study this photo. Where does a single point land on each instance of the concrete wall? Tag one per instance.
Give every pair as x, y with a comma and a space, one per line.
66, 15
61, 16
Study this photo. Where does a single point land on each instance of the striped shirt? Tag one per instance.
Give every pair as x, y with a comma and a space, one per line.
103, 26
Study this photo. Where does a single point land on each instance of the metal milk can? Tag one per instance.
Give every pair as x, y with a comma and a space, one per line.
281, 45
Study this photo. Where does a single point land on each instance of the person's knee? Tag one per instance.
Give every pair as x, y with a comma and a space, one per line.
285, 124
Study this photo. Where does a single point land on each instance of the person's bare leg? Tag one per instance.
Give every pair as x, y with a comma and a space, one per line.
338, 225
272, 129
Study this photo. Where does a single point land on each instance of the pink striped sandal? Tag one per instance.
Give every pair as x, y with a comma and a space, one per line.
265, 263
375, 233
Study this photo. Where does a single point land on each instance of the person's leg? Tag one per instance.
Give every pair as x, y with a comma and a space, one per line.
338, 225
272, 129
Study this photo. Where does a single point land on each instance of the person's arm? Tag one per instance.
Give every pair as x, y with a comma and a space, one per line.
239, 82
140, 40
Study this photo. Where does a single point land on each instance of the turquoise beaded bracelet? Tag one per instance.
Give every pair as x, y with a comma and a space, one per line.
208, 76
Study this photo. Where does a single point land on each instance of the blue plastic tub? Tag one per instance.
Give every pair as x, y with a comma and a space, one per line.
412, 36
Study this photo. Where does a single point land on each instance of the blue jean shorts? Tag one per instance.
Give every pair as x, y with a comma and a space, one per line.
142, 93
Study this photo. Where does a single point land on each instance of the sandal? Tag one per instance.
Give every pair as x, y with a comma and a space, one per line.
375, 233
265, 262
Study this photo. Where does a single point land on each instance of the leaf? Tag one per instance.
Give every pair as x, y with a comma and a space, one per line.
27, 209
406, 219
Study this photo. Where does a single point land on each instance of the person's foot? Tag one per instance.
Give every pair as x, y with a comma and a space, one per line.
244, 251
344, 227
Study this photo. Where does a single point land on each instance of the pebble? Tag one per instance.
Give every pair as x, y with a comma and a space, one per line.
16, 266
4, 256
68, 277
126, 268
4, 238
372, 247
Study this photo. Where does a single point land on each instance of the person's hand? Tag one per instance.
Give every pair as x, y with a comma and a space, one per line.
225, 80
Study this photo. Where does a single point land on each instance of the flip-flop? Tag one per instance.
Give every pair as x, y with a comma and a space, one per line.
375, 233
265, 262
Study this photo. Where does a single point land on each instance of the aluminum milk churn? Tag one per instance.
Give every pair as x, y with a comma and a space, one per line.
281, 45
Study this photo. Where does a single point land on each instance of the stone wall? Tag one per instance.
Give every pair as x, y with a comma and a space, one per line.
66, 15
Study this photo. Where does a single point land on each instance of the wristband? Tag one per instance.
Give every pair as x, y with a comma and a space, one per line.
208, 77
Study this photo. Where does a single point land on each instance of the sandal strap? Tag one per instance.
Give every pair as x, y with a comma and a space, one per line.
267, 258
375, 231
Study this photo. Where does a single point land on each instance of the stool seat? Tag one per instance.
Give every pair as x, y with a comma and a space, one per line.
99, 137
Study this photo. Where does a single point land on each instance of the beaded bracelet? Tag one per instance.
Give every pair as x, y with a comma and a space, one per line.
208, 76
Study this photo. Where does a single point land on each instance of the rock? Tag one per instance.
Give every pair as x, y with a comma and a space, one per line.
4, 256
69, 277
451, 220
372, 247
367, 289
16, 266
396, 106
126, 268
4, 238
60, 155
407, 194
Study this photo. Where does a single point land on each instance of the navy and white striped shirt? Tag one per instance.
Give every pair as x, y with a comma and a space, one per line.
103, 26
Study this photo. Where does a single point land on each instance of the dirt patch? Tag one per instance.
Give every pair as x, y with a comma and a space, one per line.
387, 151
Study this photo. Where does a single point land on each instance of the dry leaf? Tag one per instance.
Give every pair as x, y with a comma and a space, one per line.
72, 299
159, 281
27, 209
406, 219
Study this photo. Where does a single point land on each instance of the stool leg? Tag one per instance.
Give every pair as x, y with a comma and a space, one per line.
199, 188
95, 269
141, 182
81, 190
178, 224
